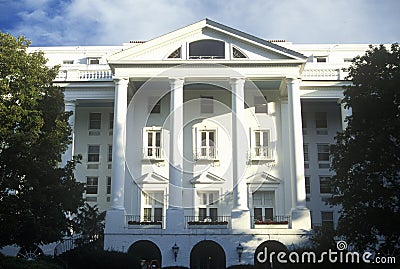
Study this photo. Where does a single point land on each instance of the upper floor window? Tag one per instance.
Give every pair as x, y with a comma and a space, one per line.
92, 184
177, 54
93, 153
94, 120
207, 104
327, 219
308, 184
263, 205
325, 186
152, 143
68, 61
260, 145
208, 208
109, 155
207, 149
108, 185
93, 60
207, 49
237, 54
153, 206
111, 120
321, 59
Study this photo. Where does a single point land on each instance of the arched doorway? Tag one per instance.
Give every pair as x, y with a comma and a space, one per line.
146, 254
207, 254
261, 255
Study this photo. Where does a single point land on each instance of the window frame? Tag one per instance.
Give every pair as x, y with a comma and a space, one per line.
95, 124
90, 154
152, 151
208, 208
264, 207
153, 208
209, 151
325, 185
92, 186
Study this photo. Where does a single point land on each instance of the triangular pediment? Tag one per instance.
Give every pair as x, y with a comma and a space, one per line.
158, 49
207, 178
263, 178
151, 178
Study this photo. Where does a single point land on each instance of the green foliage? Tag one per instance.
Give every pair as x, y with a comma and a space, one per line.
366, 156
89, 222
93, 256
35, 194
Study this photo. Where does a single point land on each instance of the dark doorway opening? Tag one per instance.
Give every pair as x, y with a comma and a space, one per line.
264, 249
207, 254
146, 254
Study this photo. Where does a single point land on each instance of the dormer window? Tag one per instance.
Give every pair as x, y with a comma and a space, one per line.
93, 60
207, 49
176, 54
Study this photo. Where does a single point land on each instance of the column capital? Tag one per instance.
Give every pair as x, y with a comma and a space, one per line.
237, 80
176, 81
121, 80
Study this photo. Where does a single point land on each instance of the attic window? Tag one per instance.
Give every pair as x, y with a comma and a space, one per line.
207, 49
176, 54
237, 54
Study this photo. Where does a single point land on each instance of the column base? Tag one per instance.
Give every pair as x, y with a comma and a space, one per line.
175, 219
115, 221
240, 219
301, 218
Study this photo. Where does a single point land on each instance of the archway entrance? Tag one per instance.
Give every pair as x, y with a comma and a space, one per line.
146, 254
261, 261
207, 255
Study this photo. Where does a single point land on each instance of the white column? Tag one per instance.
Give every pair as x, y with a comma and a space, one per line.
176, 143
240, 212
345, 112
239, 144
70, 106
175, 214
300, 214
118, 153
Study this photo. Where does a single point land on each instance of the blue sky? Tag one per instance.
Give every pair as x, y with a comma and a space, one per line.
107, 22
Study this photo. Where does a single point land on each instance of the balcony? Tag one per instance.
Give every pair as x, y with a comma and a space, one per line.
98, 74
261, 153
153, 154
260, 222
208, 222
147, 222
205, 153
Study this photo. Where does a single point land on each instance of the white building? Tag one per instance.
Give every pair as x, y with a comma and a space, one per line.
207, 139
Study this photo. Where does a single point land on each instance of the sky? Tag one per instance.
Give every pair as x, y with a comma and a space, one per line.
113, 22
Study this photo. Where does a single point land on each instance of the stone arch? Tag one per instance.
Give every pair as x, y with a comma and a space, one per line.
265, 248
144, 251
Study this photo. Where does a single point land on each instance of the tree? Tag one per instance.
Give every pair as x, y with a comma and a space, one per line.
36, 194
89, 222
366, 156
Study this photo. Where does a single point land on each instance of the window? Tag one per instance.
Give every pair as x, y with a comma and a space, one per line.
94, 153
347, 60
260, 104
152, 142
109, 155
305, 151
263, 205
176, 54
325, 186
237, 54
206, 149
308, 185
208, 208
321, 121
321, 59
93, 60
327, 218
304, 122
111, 120
92, 185
68, 62
154, 105
207, 104
323, 152
108, 185
94, 120
261, 149
207, 49
153, 206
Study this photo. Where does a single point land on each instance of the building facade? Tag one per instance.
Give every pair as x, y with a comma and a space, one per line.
205, 144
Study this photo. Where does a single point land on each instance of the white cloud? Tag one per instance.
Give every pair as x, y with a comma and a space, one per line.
81, 22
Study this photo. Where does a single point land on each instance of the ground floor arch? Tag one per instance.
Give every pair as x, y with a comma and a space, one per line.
207, 254
261, 255
146, 254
